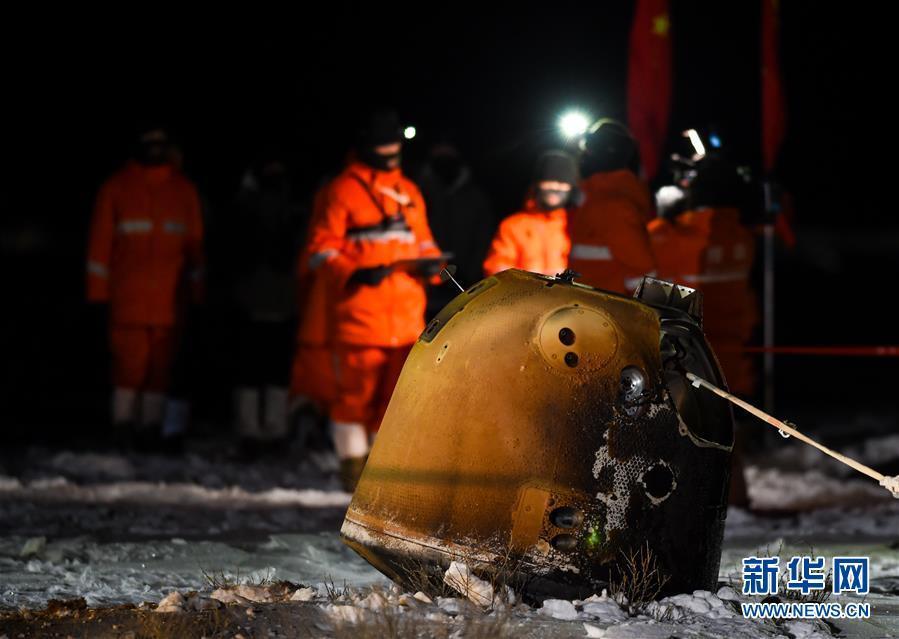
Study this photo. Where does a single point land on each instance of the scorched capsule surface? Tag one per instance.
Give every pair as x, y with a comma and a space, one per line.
549, 421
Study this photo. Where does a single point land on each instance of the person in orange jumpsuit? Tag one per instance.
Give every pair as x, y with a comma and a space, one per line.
706, 247
145, 261
536, 239
609, 244
368, 242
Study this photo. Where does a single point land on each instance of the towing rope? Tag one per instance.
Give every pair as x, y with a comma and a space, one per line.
890, 483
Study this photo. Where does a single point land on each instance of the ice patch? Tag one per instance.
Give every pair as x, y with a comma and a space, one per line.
460, 578
129, 572
169, 494
601, 607
805, 630
701, 602
453, 606
775, 489
303, 594
558, 609
92, 465
172, 602
639, 630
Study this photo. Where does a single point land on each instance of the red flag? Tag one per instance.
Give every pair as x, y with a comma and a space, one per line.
773, 103
649, 81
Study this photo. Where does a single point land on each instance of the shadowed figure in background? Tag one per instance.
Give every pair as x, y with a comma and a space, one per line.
536, 239
460, 216
145, 261
265, 231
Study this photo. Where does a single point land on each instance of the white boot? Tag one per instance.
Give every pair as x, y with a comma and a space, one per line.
246, 413
275, 413
124, 406
350, 440
351, 444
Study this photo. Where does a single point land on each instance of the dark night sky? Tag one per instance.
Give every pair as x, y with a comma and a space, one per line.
495, 78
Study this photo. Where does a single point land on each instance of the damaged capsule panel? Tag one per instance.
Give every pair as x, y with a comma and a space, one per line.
536, 421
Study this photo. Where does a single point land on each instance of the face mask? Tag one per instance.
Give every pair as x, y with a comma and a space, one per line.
551, 199
378, 161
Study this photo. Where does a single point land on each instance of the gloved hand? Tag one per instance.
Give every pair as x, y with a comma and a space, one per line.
371, 276
429, 269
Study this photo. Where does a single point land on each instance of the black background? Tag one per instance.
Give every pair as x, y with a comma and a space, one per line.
492, 78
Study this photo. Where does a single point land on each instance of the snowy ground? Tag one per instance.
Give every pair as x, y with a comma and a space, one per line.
116, 529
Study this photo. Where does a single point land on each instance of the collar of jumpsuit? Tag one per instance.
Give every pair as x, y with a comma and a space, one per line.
370, 173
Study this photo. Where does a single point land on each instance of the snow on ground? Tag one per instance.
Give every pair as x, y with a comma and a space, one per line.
133, 572
118, 529
165, 494
776, 489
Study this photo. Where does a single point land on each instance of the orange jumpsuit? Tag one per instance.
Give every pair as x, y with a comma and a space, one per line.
371, 218
144, 259
313, 374
710, 250
609, 243
531, 240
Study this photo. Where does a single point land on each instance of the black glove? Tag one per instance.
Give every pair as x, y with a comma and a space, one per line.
371, 276
429, 268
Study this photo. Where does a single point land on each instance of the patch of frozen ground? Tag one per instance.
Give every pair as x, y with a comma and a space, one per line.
116, 497
165, 494
99, 494
134, 572
211, 469
881, 450
776, 489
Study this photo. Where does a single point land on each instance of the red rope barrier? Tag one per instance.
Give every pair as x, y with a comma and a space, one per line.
832, 351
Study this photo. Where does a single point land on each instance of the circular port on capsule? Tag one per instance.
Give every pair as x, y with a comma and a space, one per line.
566, 336
566, 517
564, 543
571, 359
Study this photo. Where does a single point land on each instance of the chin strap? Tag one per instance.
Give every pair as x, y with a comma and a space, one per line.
787, 430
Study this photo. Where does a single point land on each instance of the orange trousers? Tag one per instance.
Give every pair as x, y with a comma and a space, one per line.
313, 375
142, 356
366, 377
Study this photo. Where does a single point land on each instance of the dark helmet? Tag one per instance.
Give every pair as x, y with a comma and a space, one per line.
556, 166
380, 127
608, 146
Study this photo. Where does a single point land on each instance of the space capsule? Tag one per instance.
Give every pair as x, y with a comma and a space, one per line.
549, 421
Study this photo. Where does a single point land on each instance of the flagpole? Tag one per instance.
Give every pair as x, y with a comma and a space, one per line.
768, 298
